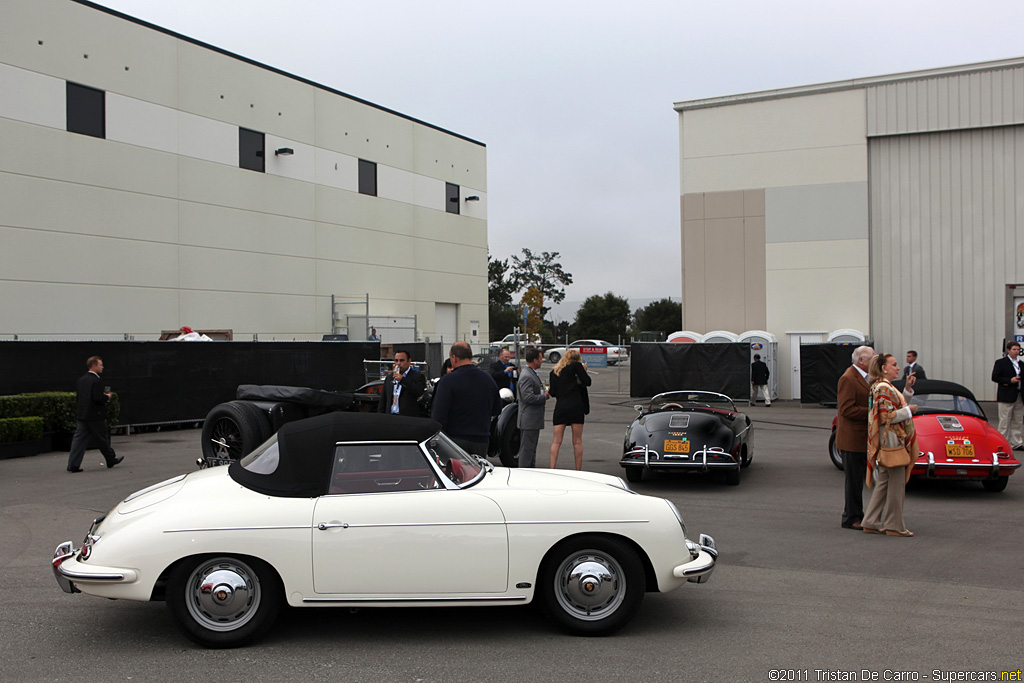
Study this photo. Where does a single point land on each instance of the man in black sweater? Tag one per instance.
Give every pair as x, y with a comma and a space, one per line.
91, 420
465, 400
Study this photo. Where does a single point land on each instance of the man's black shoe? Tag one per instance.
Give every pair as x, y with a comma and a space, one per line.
74, 469
115, 461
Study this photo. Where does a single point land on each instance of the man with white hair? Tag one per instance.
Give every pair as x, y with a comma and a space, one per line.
852, 394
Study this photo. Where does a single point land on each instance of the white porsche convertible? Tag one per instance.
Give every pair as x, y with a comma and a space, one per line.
359, 510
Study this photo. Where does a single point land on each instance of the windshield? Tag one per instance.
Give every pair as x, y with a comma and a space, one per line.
946, 403
692, 399
458, 466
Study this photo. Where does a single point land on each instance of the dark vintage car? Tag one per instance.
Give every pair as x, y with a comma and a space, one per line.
234, 429
697, 431
955, 438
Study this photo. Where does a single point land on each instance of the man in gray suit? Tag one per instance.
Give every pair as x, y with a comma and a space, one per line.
531, 407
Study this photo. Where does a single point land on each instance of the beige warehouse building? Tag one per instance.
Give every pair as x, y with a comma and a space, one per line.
149, 181
891, 205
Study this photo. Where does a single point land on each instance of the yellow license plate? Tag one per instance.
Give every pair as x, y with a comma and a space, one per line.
959, 450
677, 446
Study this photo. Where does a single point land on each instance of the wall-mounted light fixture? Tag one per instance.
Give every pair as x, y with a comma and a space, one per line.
284, 151
472, 198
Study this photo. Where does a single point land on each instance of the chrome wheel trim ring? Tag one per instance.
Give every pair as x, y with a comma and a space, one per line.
590, 585
222, 594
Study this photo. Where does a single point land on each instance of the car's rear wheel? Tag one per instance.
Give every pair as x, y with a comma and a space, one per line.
591, 585
634, 475
233, 429
554, 356
732, 476
995, 485
223, 601
834, 453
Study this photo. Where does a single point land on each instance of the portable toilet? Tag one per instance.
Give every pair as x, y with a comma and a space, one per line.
685, 337
766, 345
720, 337
846, 336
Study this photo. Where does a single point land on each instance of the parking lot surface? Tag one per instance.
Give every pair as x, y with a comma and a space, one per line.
793, 592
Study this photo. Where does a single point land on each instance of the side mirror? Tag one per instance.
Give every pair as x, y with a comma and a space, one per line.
638, 409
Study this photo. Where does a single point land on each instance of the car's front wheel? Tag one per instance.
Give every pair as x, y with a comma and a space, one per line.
833, 451
223, 601
591, 585
554, 356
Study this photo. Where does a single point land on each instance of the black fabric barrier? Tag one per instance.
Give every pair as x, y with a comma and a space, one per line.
656, 368
821, 366
160, 381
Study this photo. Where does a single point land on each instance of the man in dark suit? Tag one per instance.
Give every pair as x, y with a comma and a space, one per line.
913, 367
91, 418
1006, 375
402, 388
531, 408
503, 372
852, 394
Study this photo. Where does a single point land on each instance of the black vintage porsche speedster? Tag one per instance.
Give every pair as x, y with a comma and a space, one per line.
698, 431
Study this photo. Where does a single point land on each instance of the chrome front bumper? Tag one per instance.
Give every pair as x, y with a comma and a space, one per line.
699, 569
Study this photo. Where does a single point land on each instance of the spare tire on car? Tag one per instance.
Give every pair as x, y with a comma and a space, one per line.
232, 430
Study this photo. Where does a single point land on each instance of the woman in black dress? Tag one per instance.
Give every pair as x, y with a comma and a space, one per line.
569, 381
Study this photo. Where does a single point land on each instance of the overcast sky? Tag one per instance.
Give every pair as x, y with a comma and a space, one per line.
574, 98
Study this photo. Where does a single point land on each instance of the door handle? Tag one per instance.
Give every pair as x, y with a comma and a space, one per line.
323, 526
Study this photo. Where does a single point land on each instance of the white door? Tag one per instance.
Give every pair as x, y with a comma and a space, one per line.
795, 340
411, 543
446, 324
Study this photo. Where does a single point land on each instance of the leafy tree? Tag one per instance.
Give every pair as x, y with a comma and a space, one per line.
534, 302
502, 319
663, 315
541, 271
500, 287
602, 317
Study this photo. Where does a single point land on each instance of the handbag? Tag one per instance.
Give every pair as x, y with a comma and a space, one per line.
897, 456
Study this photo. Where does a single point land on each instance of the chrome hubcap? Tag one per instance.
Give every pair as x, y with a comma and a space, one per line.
223, 594
590, 585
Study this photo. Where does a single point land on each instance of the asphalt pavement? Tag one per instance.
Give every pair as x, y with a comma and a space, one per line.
794, 597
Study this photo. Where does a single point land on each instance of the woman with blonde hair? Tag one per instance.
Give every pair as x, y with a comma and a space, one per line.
569, 381
889, 426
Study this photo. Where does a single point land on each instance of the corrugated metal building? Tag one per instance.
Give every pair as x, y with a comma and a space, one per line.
893, 205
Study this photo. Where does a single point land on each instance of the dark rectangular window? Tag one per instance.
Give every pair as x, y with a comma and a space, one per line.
86, 110
451, 192
250, 150
367, 177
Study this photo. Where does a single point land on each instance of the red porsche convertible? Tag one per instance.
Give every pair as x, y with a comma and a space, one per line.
956, 440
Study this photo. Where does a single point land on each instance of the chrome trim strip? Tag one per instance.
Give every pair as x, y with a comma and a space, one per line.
931, 464
586, 521
233, 528
509, 598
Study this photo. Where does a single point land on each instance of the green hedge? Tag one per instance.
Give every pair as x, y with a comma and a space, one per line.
14, 429
56, 408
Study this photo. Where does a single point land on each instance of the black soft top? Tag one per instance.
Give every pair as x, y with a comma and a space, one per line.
306, 449
937, 386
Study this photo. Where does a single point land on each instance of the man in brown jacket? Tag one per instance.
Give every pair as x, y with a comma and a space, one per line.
852, 395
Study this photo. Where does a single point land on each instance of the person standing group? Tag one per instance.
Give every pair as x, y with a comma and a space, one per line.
852, 395
759, 375
890, 425
569, 381
1006, 375
402, 388
465, 400
532, 398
